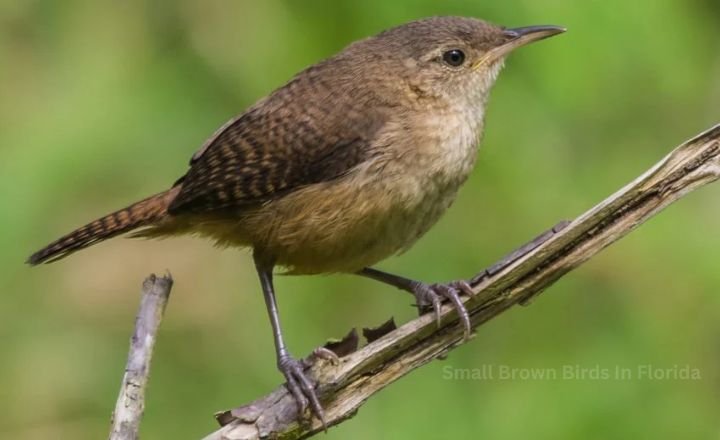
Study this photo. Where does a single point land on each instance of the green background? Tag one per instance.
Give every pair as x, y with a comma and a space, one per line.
102, 103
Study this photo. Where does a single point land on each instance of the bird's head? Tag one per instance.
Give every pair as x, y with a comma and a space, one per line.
445, 59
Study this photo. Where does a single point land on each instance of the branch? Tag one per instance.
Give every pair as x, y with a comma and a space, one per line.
131, 401
345, 387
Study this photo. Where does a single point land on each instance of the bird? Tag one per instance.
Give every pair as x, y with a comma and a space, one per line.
348, 163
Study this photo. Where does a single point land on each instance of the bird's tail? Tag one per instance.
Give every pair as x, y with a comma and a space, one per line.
137, 215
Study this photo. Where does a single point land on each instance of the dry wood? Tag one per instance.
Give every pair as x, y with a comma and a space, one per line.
131, 400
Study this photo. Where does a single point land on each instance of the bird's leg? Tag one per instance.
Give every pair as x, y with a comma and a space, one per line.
298, 383
428, 297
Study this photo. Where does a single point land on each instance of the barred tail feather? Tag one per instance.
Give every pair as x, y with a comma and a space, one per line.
142, 213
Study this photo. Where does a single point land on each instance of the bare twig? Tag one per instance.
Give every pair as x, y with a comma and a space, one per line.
345, 387
131, 401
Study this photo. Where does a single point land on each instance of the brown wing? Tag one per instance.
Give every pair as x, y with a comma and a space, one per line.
311, 130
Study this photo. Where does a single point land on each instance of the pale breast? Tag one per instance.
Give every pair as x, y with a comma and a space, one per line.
439, 168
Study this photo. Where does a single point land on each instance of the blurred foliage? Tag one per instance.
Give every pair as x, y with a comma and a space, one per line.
103, 102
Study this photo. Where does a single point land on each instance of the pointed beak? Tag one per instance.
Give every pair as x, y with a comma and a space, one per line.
517, 37
529, 34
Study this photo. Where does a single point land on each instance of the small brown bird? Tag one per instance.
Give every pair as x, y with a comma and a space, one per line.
350, 162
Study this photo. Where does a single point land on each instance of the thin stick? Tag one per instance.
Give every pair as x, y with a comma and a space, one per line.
131, 401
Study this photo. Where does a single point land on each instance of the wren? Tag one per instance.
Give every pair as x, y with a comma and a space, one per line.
350, 162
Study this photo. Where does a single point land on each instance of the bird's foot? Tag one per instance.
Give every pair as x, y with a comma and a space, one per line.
429, 297
300, 385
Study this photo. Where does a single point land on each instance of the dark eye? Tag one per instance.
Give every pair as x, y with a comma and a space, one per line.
454, 57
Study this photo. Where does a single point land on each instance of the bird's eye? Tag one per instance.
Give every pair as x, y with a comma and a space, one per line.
454, 57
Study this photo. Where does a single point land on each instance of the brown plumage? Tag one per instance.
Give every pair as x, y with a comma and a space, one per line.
142, 213
351, 161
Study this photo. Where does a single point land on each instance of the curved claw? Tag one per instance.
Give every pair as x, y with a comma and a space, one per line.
452, 294
430, 296
463, 286
301, 387
324, 353
427, 299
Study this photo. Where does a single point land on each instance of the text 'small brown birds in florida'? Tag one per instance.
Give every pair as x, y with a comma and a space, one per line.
350, 162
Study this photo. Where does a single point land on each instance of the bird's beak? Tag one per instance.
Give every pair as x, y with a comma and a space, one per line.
518, 37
